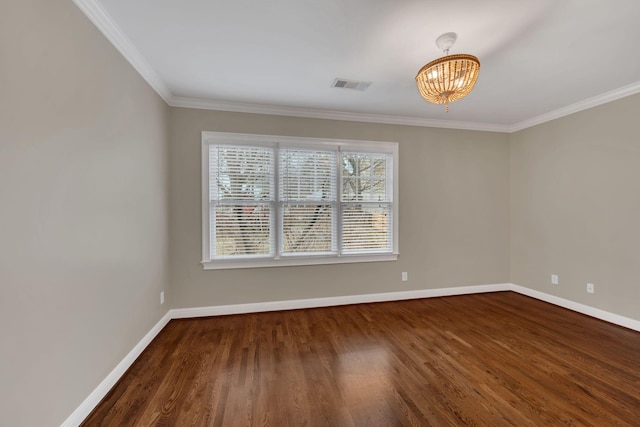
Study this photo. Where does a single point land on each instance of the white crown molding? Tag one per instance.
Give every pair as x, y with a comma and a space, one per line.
96, 396
240, 107
101, 19
604, 98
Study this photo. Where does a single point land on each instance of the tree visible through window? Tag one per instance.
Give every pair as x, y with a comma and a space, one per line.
283, 200
241, 194
366, 196
308, 201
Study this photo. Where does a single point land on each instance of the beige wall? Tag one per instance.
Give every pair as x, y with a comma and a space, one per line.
83, 210
575, 199
97, 175
454, 213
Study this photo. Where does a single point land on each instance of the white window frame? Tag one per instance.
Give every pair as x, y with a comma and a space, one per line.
212, 138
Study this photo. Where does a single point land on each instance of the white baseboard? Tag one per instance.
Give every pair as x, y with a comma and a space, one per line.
580, 308
220, 310
181, 313
83, 411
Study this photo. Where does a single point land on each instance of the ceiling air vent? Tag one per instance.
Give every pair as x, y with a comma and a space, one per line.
350, 84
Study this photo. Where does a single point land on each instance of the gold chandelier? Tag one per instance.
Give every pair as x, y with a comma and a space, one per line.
449, 78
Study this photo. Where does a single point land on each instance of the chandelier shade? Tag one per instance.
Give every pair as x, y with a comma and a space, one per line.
449, 78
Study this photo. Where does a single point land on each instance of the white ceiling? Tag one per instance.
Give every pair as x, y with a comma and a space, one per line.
540, 59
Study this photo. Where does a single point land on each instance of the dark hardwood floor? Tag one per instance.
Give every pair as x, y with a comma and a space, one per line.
479, 360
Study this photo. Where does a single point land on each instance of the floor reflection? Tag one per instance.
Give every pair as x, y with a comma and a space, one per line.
363, 377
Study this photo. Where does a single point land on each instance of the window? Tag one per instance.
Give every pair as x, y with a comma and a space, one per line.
273, 200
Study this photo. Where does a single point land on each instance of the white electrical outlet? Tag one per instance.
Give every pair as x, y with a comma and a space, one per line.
554, 279
405, 276
591, 288
161, 297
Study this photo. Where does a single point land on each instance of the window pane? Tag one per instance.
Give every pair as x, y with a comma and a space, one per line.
366, 177
308, 229
240, 172
307, 175
241, 230
321, 199
366, 228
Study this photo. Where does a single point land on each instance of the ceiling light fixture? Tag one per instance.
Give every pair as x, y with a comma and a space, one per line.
449, 78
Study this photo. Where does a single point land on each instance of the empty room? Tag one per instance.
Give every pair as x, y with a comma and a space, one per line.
319, 213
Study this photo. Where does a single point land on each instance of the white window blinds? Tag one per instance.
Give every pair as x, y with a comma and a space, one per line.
367, 202
307, 201
297, 199
241, 191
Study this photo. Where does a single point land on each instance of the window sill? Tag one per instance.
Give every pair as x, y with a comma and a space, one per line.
296, 261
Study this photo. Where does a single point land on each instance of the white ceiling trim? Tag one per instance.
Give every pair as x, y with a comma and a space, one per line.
604, 98
101, 19
205, 104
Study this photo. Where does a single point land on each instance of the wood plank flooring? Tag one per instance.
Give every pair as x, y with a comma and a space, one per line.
478, 360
